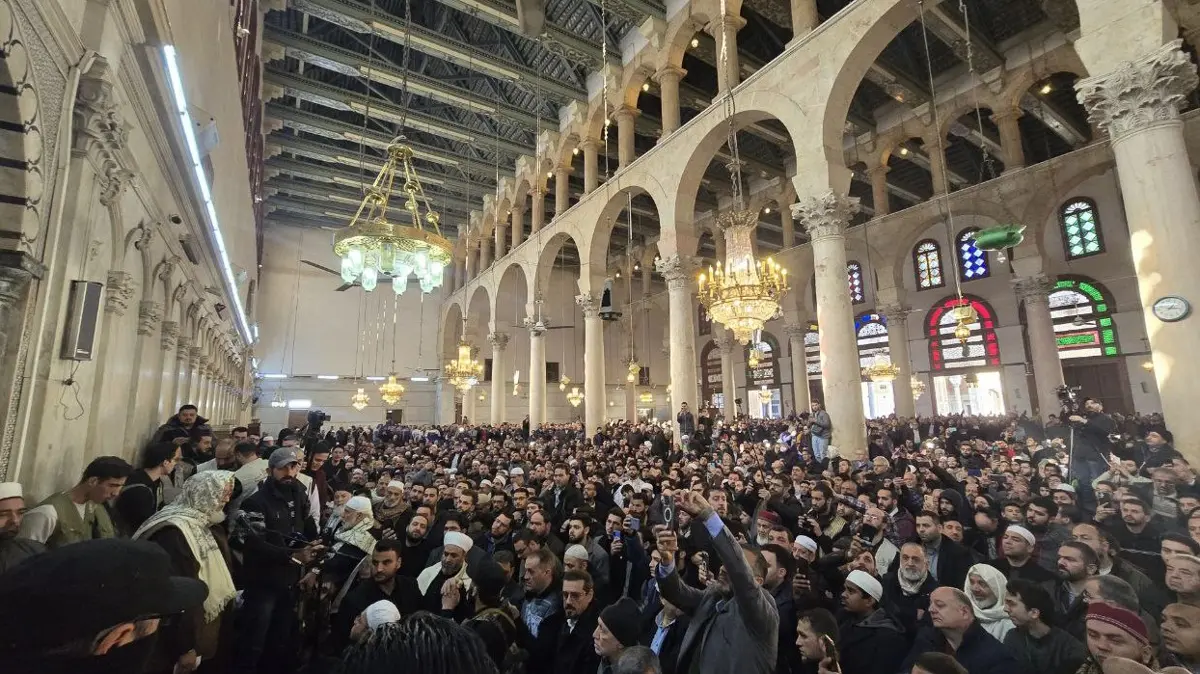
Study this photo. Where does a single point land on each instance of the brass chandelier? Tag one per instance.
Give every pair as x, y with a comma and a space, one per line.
575, 397
742, 294
371, 247
360, 400
391, 391
464, 371
881, 370
918, 387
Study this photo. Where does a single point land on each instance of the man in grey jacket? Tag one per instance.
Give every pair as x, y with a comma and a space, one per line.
820, 429
734, 624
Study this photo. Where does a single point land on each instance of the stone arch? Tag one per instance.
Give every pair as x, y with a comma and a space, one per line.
619, 192
1068, 176
1064, 59
680, 32
914, 229
547, 257
22, 147
636, 73
512, 280
451, 329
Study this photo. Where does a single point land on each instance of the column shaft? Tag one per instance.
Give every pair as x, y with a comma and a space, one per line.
1034, 292
518, 225
561, 195
591, 164
625, 135
937, 167
800, 397
724, 31
499, 342
804, 17
537, 378
879, 190
668, 84
678, 272
897, 327
499, 236
825, 218
1010, 138
789, 225
728, 390
1139, 107
538, 216
485, 254
593, 362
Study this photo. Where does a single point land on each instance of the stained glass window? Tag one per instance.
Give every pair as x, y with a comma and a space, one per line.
972, 261
927, 264
946, 352
872, 333
1081, 229
854, 278
1081, 310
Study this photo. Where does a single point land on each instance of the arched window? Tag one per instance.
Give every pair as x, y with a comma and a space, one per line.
1081, 228
812, 351
946, 352
871, 330
972, 260
854, 278
1081, 310
927, 264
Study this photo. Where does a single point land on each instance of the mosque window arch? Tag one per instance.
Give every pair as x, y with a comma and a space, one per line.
1081, 310
946, 352
1080, 225
854, 279
927, 265
972, 260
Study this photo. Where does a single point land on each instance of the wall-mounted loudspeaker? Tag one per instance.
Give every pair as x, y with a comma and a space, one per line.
83, 308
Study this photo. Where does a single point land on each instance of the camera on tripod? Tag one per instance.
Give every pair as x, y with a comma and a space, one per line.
1071, 400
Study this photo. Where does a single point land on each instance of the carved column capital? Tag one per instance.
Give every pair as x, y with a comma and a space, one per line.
679, 271
195, 354
1140, 93
183, 344
825, 215
100, 130
535, 327
589, 303
170, 335
1033, 289
149, 315
725, 343
894, 313
498, 340
795, 330
118, 292
668, 74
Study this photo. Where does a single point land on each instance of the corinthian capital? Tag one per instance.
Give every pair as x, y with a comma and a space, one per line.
119, 290
894, 313
149, 315
825, 215
1033, 288
499, 340
589, 303
1140, 93
100, 130
677, 270
170, 333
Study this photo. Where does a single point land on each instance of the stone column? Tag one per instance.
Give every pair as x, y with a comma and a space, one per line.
795, 333
118, 292
143, 400
937, 166
485, 254
879, 189
626, 150
470, 257
789, 225
724, 30
825, 218
562, 183
727, 345
591, 164
518, 224
680, 274
537, 216
182, 371
1033, 292
195, 356
537, 373
668, 85
499, 236
897, 327
499, 341
1138, 105
593, 362
1010, 138
167, 395
804, 17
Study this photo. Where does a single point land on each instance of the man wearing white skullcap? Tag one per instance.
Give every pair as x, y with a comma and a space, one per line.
805, 548
1018, 563
575, 558
13, 549
382, 612
437, 579
872, 636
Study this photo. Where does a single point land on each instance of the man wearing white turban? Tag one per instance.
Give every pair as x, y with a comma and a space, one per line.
452, 570
985, 587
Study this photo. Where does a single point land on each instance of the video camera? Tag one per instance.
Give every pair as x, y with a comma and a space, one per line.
1071, 400
311, 434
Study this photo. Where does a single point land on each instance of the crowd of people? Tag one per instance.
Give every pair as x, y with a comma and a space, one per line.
988, 545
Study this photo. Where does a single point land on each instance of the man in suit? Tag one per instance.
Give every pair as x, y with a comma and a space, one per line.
563, 498
948, 561
735, 625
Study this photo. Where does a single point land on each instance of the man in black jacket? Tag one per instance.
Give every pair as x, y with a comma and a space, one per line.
955, 631
948, 561
384, 583
275, 524
562, 499
870, 641
1035, 639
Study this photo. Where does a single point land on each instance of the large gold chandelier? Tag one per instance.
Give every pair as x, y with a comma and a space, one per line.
391, 391
464, 371
360, 400
742, 294
371, 247
881, 370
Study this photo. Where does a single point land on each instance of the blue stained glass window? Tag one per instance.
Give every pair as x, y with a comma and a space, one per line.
972, 261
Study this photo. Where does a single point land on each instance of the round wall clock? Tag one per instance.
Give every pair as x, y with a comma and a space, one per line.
1171, 308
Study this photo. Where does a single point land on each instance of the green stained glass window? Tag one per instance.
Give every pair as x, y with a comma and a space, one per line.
1081, 229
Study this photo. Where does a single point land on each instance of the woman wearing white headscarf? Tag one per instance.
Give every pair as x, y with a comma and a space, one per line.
185, 530
986, 588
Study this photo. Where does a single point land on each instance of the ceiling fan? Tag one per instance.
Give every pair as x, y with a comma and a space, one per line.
344, 286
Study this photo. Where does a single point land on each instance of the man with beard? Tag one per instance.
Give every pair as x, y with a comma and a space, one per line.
578, 533
93, 607
948, 561
906, 590
870, 641
13, 548
1076, 563
499, 537
1136, 529
540, 527
181, 427
435, 580
385, 583
394, 513
278, 516
1018, 563
1040, 514
415, 549
735, 626
1101, 542
1116, 632
561, 499
572, 631
780, 568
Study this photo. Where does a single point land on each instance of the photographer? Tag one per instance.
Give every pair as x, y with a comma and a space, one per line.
1091, 428
273, 524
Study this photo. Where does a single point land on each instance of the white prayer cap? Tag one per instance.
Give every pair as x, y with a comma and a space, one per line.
458, 540
576, 551
806, 543
359, 504
10, 490
1023, 533
867, 583
381, 613
1063, 486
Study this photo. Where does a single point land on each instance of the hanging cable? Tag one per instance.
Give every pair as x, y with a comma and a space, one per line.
362, 140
